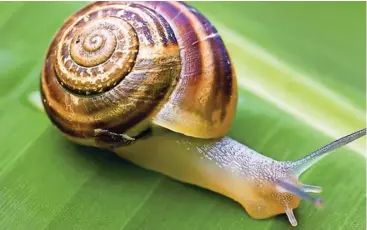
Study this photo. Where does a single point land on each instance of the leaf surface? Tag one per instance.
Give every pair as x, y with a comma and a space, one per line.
301, 77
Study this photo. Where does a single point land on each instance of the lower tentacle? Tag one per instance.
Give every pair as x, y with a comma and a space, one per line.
292, 219
300, 190
311, 188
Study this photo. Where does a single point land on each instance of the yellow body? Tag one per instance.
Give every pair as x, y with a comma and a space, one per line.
174, 73
180, 158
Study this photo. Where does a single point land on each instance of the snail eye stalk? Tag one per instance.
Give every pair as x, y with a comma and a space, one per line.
301, 165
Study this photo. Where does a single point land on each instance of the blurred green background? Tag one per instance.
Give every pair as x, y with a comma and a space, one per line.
301, 77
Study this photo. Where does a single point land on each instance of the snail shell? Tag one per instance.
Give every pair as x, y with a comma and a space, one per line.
113, 69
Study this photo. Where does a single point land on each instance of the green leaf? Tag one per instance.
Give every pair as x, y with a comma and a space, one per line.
301, 77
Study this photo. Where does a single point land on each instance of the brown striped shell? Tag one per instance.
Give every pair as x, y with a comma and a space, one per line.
115, 68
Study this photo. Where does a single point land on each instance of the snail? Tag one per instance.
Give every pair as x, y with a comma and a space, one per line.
153, 82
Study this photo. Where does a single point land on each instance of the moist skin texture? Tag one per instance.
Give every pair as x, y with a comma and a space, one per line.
221, 165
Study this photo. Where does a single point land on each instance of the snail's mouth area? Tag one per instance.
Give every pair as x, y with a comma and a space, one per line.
290, 193
267, 201
280, 196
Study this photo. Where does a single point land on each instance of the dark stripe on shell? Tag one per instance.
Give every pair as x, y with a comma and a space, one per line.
140, 101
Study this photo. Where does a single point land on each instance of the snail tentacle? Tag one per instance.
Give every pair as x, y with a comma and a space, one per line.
127, 75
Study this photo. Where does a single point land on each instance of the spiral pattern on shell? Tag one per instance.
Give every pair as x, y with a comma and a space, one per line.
95, 57
120, 66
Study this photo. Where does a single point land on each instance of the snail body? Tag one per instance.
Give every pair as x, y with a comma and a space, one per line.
154, 83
